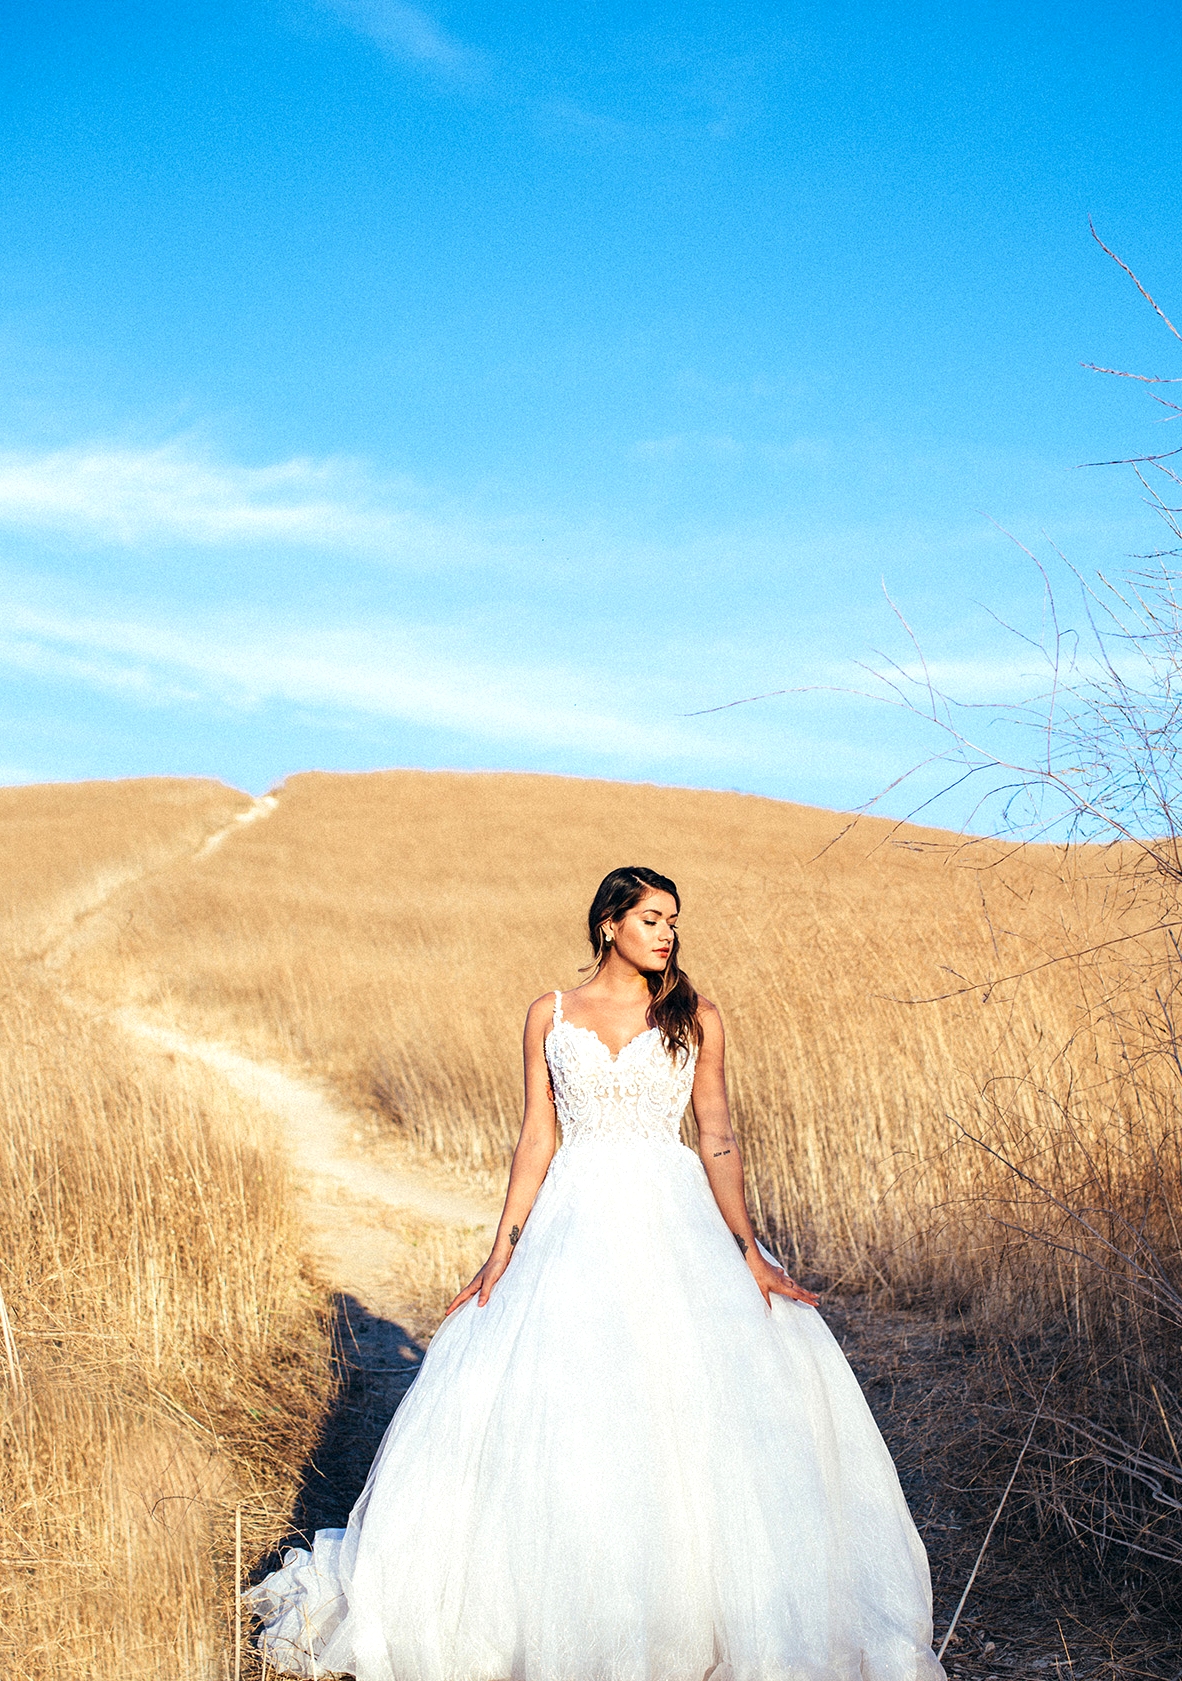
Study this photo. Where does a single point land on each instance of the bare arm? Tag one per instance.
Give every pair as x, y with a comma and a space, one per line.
533, 1155
724, 1166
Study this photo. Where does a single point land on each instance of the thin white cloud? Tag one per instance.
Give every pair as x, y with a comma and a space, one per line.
386, 673
178, 494
686, 445
412, 36
38, 658
22, 776
409, 34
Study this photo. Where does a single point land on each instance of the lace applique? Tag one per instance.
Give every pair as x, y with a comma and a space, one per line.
641, 1093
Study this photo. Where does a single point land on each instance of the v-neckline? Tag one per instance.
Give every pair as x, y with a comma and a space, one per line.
611, 1056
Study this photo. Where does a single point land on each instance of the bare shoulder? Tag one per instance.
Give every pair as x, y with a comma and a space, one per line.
540, 1014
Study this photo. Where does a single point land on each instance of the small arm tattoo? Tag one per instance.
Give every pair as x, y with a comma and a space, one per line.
741, 1241
718, 1153
514, 1234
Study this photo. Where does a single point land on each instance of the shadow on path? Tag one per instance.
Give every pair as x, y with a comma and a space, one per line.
377, 1360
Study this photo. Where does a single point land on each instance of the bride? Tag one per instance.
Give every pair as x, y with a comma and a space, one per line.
634, 1451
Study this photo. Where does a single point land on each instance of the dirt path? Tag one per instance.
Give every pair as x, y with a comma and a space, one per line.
339, 1185
79, 912
355, 1211
258, 809
356, 1208
317, 1130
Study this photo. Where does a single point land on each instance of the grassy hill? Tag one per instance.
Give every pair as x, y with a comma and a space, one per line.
389, 931
65, 847
162, 1358
945, 1060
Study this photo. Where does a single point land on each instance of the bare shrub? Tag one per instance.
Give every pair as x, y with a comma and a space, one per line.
1090, 1186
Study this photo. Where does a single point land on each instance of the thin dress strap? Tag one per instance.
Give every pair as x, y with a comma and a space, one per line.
557, 1008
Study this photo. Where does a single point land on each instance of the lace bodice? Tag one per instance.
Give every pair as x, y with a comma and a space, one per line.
641, 1093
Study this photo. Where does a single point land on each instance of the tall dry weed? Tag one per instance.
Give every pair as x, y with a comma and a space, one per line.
66, 847
940, 1053
390, 931
163, 1362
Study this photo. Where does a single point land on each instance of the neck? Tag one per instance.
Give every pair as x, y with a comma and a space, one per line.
620, 976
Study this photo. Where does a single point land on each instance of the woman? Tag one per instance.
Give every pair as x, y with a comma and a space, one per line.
633, 1452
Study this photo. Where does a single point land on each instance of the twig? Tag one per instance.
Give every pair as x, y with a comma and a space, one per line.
747, 700
238, 1593
10, 1350
989, 1532
1134, 279
1146, 379
1063, 1638
1035, 968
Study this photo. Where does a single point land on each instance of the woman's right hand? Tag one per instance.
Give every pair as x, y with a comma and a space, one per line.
483, 1282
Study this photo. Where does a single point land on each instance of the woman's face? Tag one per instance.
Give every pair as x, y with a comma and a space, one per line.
644, 935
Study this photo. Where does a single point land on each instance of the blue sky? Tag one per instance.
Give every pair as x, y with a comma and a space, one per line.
479, 386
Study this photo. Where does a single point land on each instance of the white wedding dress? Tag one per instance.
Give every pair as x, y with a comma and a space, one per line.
624, 1467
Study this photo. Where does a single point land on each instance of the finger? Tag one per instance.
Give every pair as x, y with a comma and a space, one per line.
795, 1292
465, 1295
799, 1294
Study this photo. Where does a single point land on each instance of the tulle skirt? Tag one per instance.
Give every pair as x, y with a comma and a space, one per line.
623, 1468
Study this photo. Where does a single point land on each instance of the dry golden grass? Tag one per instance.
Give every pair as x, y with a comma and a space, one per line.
163, 1361
389, 930
164, 1346
65, 846
425, 1263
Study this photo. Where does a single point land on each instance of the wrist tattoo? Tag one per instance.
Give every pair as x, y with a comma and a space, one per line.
718, 1153
514, 1234
741, 1241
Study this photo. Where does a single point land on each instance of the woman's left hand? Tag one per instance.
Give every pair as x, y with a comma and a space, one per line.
774, 1281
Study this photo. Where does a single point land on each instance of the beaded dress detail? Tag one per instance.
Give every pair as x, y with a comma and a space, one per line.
625, 1467
642, 1092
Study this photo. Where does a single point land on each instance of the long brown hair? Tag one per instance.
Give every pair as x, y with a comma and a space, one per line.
674, 1007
